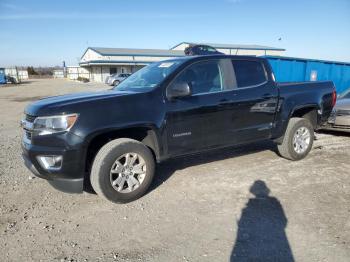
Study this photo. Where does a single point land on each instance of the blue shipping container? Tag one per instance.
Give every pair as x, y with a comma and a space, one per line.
291, 69
2, 76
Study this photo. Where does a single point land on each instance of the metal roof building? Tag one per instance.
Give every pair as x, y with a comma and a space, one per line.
236, 49
101, 62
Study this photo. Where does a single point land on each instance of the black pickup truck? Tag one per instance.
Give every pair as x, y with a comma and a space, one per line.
112, 139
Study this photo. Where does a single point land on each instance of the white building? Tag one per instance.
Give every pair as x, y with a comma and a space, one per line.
102, 62
99, 62
18, 74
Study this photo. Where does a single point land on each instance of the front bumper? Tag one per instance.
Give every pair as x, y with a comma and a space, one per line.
72, 185
69, 178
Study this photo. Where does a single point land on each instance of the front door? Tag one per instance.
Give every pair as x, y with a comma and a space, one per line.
201, 120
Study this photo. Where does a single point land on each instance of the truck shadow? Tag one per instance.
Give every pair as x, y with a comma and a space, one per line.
261, 232
167, 168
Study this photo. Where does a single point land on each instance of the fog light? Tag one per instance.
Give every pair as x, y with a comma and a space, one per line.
50, 162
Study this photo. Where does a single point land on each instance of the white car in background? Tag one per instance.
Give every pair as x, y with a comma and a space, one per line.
115, 79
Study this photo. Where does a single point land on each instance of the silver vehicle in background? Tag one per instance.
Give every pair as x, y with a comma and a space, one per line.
116, 79
340, 117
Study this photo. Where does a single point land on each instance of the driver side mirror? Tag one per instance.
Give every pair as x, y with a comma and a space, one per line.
177, 90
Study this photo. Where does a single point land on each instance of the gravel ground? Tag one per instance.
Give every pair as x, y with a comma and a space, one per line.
219, 206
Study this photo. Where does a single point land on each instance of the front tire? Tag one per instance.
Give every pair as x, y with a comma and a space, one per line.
116, 82
122, 171
298, 139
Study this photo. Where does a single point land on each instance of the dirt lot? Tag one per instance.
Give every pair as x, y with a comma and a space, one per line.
199, 208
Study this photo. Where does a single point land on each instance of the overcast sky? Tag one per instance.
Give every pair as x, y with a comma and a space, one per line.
45, 33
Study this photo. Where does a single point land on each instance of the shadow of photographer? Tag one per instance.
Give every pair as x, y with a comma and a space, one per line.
261, 232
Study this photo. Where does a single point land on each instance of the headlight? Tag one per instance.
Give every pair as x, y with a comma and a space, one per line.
52, 124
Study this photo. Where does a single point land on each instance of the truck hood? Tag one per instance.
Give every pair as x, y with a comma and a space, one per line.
343, 104
62, 103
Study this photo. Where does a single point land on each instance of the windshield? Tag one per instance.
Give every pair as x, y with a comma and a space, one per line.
346, 94
150, 76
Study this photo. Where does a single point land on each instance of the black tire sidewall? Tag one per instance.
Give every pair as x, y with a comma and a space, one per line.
104, 172
301, 123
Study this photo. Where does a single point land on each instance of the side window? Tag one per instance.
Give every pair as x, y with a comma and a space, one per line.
208, 76
203, 77
248, 73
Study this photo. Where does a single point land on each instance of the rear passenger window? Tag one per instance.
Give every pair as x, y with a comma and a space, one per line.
248, 73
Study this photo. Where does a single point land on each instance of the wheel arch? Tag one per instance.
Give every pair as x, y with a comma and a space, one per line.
309, 111
142, 133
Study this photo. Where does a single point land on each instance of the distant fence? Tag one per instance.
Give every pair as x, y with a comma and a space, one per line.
71, 72
40, 76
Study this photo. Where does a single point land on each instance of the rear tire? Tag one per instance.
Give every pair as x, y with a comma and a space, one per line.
298, 139
127, 161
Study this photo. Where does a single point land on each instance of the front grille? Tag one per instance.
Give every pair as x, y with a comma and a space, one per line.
30, 118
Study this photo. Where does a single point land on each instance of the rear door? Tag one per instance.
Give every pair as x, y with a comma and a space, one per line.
255, 101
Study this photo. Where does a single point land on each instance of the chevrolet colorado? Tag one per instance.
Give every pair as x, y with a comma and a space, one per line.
112, 139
